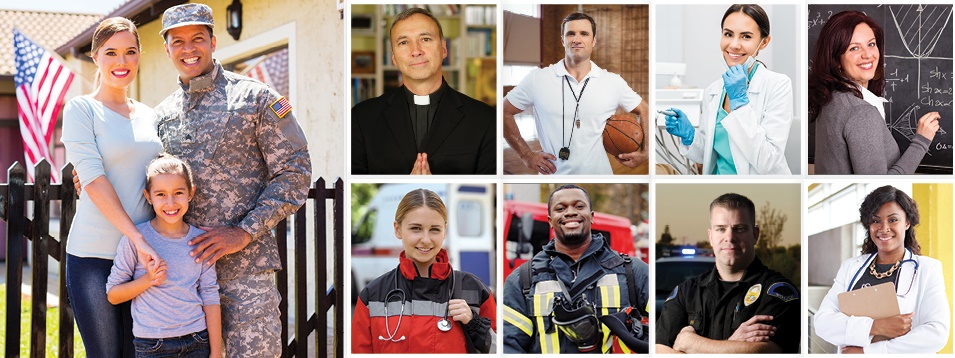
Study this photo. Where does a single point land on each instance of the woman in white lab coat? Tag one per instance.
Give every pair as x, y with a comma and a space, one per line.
747, 114
889, 254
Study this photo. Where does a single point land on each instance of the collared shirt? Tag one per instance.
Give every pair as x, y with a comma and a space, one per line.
715, 313
546, 90
875, 101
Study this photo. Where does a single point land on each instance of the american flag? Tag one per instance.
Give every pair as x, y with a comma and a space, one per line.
281, 107
41, 82
272, 69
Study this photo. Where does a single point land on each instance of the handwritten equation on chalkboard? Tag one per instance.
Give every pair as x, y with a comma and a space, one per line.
918, 70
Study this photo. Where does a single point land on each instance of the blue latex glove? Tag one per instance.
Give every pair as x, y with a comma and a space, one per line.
734, 81
679, 125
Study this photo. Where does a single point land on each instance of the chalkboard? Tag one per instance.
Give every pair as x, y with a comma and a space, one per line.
918, 71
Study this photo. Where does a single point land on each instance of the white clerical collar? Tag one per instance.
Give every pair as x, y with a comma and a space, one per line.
422, 100
875, 101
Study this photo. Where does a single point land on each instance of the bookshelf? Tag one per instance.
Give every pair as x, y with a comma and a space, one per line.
470, 33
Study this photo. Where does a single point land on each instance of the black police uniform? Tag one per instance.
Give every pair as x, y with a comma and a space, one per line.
716, 309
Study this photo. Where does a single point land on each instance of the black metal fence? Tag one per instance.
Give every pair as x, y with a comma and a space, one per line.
16, 193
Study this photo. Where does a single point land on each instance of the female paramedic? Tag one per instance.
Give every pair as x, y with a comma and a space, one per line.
747, 114
846, 82
423, 305
890, 253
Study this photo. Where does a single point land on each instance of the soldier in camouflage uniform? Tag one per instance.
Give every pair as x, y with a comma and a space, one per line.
252, 170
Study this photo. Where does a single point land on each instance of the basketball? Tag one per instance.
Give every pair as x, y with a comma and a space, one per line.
623, 134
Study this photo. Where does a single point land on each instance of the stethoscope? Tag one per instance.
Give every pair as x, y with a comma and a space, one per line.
872, 257
444, 324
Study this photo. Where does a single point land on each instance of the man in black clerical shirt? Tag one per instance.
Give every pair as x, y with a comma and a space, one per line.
425, 127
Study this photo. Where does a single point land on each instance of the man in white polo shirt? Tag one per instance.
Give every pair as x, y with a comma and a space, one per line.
572, 101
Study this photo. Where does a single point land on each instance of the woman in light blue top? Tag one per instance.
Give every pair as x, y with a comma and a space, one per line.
109, 138
747, 114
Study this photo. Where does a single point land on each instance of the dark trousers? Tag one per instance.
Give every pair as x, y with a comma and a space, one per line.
106, 329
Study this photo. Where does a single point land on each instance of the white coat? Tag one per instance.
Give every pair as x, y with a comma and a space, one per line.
927, 299
757, 131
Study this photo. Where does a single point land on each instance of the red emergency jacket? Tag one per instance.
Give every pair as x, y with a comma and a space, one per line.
399, 311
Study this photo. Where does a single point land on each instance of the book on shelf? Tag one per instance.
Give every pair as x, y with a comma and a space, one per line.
476, 15
362, 89
434, 9
480, 42
392, 80
447, 60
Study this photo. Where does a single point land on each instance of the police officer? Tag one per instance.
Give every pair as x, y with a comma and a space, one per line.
572, 281
252, 169
741, 306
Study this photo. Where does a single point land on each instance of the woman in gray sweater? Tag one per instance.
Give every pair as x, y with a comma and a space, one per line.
846, 82
109, 138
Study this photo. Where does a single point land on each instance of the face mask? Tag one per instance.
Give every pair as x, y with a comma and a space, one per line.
750, 60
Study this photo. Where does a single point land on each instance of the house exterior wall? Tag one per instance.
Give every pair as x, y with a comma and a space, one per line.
314, 33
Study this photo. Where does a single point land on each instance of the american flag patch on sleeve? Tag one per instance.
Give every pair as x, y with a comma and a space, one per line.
281, 107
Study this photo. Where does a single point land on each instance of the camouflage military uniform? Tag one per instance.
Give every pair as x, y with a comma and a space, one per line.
251, 170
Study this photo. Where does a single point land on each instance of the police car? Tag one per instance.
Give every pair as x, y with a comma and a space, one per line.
672, 271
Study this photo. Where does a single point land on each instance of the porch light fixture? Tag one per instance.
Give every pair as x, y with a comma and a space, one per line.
234, 19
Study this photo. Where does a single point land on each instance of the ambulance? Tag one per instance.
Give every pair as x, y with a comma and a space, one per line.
469, 240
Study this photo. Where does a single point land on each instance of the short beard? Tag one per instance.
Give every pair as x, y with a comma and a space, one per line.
574, 240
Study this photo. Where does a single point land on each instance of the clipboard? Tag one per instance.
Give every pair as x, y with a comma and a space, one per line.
873, 301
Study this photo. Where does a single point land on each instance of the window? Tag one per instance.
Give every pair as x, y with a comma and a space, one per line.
513, 74
269, 67
365, 228
470, 215
532, 10
832, 205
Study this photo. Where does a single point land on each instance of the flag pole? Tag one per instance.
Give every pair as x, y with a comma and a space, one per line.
249, 68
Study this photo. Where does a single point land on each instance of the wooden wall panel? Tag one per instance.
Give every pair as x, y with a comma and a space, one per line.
623, 45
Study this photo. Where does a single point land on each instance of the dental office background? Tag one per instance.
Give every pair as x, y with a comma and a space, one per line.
687, 40
835, 235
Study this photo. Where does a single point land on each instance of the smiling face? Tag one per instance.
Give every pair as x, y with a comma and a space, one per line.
118, 60
862, 56
190, 49
887, 229
169, 195
570, 216
740, 39
578, 40
422, 232
418, 48
733, 238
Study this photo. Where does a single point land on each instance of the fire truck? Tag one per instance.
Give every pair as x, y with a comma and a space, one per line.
526, 231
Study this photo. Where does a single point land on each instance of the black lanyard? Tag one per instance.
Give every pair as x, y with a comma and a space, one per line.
565, 150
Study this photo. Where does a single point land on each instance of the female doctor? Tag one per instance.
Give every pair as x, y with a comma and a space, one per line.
747, 113
890, 254
423, 305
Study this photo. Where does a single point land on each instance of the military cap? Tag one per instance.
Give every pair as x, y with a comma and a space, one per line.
185, 15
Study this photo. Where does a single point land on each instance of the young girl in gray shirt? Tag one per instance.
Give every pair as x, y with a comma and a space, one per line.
175, 304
